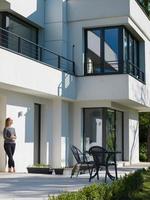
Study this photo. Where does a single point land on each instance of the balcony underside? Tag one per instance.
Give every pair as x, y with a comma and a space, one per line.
25, 75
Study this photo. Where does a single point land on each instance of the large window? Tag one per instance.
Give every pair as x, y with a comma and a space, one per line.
22, 29
102, 50
131, 53
112, 50
103, 127
19, 27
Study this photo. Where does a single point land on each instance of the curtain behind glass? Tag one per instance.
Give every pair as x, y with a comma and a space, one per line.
92, 127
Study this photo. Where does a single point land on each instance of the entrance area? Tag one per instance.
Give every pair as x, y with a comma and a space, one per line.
103, 127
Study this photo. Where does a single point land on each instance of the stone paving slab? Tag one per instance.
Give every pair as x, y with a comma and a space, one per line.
23, 186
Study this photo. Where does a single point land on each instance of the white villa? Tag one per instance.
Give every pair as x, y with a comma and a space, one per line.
73, 72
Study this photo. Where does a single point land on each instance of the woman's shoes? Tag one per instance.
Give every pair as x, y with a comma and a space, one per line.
11, 171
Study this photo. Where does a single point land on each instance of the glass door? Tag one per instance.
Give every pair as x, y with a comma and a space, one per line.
103, 127
111, 130
37, 133
114, 132
93, 125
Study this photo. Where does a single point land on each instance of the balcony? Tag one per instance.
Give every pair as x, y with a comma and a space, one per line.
19, 45
113, 50
28, 68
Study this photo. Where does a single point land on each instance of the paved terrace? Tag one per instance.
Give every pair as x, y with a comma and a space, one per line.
23, 186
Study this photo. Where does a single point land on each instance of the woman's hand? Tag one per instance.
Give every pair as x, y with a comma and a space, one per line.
13, 137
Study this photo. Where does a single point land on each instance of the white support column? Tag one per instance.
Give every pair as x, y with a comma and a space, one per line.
131, 137
46, 131
2, 124
56, 26
65, 134
56, 132
77, 126
61, 137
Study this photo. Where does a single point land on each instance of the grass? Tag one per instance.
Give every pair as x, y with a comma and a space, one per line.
144, 194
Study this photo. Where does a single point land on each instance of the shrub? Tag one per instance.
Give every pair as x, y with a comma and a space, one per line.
122, 189
70, 196
97, 192
143, 152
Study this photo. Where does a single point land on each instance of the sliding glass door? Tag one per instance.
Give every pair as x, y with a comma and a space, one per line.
103, 127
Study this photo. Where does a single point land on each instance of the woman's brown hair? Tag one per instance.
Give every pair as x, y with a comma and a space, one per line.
8, 121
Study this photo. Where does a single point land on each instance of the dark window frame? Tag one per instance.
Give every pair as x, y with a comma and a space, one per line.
21, 21
123, 67
102, 49
129, 34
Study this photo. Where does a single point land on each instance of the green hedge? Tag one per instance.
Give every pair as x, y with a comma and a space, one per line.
122, 189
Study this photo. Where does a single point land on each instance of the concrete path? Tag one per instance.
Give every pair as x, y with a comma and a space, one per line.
38, 187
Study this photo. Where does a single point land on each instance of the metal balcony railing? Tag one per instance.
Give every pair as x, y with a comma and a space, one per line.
27, 48
115, 67
133, 70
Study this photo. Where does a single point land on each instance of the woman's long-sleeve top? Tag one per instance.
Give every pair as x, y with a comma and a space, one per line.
9, 135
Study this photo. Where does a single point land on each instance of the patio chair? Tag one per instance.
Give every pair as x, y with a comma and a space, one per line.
82, 161
103, 158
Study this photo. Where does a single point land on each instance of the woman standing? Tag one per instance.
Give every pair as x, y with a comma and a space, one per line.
9, 135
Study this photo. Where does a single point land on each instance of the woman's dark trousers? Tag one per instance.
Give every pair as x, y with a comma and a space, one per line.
10, 149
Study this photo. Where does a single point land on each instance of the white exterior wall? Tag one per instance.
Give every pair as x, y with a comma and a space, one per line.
15, 104
97, 87
56, 26
131, 137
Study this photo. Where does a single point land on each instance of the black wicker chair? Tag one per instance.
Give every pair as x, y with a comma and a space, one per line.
82, 161
103, 159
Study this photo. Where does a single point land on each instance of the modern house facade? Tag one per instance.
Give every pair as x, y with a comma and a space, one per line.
73, 72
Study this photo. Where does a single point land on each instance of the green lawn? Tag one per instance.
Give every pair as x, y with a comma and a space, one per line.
145, 193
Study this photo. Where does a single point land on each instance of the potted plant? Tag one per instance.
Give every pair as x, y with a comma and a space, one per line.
59, 170
39, 169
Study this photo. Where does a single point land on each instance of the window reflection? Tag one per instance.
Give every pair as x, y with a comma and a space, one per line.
111, 50
131, 54
102, 52
103, 127
22, 29
93, 51
92, 127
